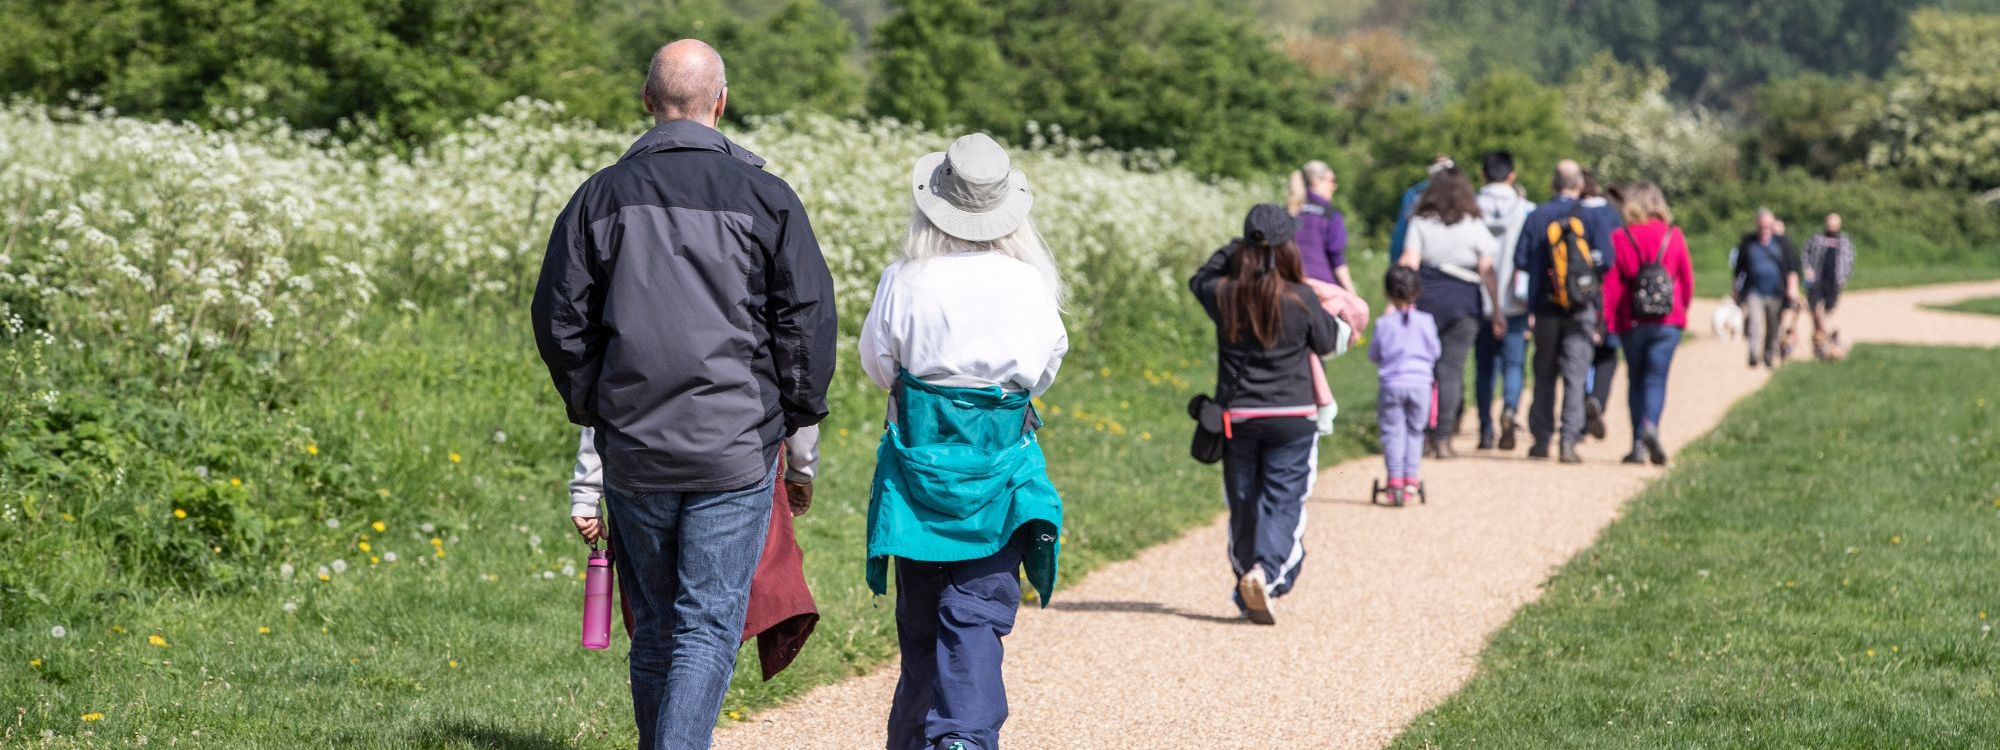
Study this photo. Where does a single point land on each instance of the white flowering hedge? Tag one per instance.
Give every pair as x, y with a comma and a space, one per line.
195, 245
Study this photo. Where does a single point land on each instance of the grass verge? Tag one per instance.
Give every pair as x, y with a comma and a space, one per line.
1978, 306
1810, 576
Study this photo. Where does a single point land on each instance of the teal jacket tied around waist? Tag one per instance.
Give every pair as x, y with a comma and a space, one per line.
958, 473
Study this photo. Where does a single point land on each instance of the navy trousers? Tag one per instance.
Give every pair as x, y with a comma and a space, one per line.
950, 618
1267, 471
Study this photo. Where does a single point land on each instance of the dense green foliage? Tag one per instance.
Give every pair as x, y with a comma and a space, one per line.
1803, 578
408, 68
1189, 77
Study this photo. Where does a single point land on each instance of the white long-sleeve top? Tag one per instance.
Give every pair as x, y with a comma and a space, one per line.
969, 320
586, 480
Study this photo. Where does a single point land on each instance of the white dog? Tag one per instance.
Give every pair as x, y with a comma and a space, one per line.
1728, 320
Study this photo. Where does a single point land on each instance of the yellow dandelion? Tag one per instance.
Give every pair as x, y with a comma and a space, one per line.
1145, 435
1897, 539
440, 552
312, 449
582, 576
455, 457
1871, 653
383, 491
1791, 584
1104, 372
263, 630
34, 663
843, 432
179, 513
453, 663
1982, 614
68, 518
735, 715
157, 640
374, 559
93, 716
235, 481
436, 542
118, 630
379, 527
324, 577
363, 546
1895, 649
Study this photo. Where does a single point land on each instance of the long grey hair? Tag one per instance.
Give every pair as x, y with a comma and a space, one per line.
926, 241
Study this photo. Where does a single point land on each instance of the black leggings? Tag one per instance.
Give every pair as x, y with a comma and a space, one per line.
1455, 344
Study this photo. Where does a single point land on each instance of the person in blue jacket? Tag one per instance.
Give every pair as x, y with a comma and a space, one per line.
1565, 338
1439, 163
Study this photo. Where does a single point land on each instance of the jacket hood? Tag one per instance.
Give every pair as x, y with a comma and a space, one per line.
682, 135
1503, 195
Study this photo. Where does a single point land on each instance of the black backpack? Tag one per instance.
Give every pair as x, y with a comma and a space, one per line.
1652, 288
1573, 282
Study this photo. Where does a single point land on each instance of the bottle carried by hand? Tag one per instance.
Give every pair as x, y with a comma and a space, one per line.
597, 601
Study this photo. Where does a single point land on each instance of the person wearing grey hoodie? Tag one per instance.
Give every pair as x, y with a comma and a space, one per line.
1501, 351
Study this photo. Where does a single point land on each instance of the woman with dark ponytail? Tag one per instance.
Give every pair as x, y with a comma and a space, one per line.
1268, 327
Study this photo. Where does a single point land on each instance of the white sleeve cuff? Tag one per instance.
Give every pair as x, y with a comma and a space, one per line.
586, 482
802, 455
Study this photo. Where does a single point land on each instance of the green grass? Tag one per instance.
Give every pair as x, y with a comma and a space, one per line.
1980, 306
477, 648
1818, 572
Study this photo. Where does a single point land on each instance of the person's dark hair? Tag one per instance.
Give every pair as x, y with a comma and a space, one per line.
1498, 165
1449, 199
1591, 189
1261, 279
1402, 284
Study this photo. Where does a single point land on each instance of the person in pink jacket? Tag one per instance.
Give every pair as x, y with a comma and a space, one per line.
1648, 245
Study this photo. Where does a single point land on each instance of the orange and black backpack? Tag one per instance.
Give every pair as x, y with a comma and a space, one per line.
1573, 282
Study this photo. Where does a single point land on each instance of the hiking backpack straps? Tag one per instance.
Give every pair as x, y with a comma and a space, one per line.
1652, 289
1573, 282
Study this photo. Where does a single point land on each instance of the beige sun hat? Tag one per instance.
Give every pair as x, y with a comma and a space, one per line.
972, 191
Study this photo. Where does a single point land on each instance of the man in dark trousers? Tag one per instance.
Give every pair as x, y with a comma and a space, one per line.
685, 312
1564, 337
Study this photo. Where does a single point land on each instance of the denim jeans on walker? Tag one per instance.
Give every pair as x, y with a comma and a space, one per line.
1649, 352
1503, 359
684, 562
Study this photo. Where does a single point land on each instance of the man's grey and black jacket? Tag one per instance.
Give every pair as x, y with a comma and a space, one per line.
685, 311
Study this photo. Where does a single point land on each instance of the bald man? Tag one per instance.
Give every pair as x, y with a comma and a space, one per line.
1564, 337
686, 314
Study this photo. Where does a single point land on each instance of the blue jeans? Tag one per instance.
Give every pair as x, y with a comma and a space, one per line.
950, 618
1603, 370
1649, 351
1503, 359
684, 565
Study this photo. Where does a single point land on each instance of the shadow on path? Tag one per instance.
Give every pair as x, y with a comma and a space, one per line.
1152, 608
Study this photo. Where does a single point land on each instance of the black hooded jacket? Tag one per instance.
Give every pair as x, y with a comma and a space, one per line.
685, 311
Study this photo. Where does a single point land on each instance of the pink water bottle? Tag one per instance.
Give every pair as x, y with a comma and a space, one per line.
597, 601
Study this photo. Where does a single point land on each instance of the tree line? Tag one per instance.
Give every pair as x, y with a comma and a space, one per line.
1807, 85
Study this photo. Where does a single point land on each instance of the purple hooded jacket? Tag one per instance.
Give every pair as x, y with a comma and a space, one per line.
1322, 238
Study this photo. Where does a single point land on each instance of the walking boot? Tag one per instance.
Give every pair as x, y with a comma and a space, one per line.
1507, 428
1444, 449
1650, 437
1539, 450
1485, 440
1593, 418
1569, 454
1637, 456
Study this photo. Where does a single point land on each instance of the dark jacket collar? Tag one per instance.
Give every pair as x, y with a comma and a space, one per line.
682, 135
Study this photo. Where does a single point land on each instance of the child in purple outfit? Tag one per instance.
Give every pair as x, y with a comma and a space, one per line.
1405, 352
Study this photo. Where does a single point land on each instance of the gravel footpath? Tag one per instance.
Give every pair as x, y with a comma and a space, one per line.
1391, 610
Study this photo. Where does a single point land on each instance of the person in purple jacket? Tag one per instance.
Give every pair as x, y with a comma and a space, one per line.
1322, 228
1405, 351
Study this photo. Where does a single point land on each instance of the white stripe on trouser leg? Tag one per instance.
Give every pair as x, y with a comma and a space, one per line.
1229, 532
1298, 554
